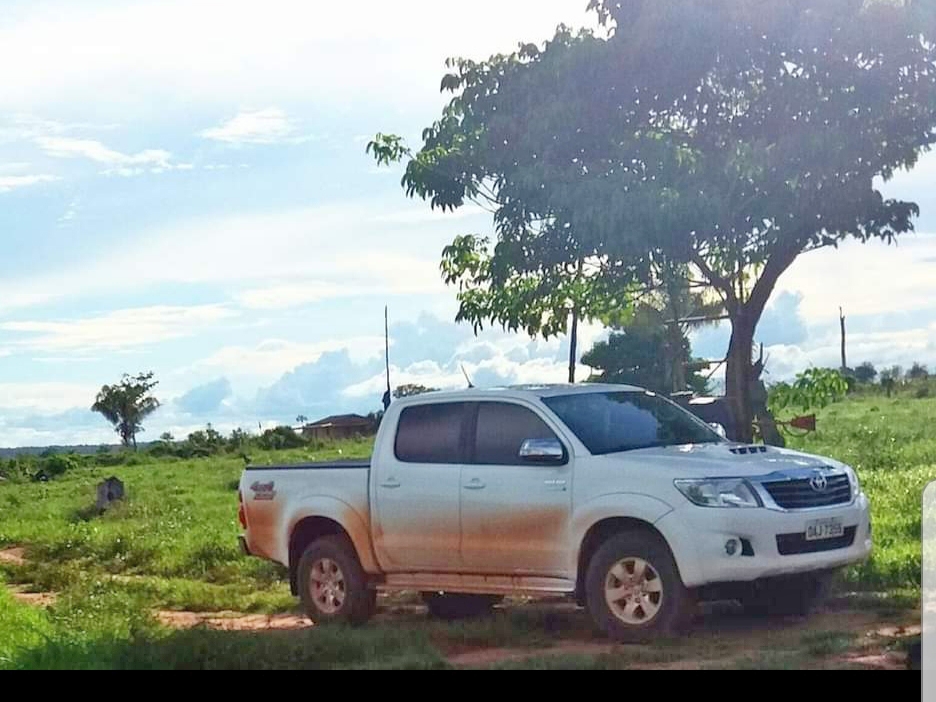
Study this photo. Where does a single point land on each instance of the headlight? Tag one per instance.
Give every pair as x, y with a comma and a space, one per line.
716, 492
853, 481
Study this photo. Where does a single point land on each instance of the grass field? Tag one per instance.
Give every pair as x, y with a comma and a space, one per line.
172, 546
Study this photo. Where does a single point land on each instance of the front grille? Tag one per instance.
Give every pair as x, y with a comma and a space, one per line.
792, 544
799, 494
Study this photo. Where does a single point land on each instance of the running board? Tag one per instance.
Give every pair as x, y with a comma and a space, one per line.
477, 584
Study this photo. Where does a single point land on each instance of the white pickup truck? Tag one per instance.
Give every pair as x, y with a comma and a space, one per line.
610, 494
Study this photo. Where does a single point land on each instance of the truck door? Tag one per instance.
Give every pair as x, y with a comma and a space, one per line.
516, 494
417, 489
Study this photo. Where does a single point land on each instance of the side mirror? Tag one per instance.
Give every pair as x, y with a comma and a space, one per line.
542, 451
719, 429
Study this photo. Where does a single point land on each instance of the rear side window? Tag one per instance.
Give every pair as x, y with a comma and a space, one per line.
431, 433
502, 429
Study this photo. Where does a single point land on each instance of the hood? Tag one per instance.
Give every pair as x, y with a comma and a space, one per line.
726, 460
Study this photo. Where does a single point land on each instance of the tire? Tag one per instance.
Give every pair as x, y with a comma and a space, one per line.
797, 596
450, 606
659, 603
332, 585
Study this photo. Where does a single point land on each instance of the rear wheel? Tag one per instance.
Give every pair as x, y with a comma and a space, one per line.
633, 588
332, 584
445, 605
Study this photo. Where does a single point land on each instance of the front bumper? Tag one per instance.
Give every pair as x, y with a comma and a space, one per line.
698, 538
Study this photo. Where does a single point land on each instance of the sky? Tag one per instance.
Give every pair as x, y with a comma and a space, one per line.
184, 189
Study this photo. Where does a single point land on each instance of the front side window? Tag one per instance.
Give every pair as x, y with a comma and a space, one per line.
612, 422
431, 433
502, 429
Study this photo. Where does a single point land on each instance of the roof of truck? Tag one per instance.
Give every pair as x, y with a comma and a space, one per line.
526, 391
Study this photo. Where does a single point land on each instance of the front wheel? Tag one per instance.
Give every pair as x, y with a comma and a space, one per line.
332, 584
633, 589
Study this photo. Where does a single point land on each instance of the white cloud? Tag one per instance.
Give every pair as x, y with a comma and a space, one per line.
11, 182
69, 147
117, 330
46, 397
871, 278
330, 245
271, 358
883, 349
295, 294
202, 51
269, 126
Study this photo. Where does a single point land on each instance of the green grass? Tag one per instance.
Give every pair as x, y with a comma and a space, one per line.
172, 545
892, 446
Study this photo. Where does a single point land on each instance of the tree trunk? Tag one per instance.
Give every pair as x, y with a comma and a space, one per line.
738, 379
573, 345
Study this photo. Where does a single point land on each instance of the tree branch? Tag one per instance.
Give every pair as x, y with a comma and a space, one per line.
778, 261
718, 282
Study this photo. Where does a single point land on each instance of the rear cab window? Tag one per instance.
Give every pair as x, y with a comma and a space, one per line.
432, 433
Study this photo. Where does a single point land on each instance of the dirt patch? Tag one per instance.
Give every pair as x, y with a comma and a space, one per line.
491, 656
233, 621
898, 632
878, 661
35, 599
13, 556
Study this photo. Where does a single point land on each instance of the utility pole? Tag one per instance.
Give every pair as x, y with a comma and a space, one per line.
842, 321
387, 396
573, 340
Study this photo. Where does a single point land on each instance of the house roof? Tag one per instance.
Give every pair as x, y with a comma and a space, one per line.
340, 420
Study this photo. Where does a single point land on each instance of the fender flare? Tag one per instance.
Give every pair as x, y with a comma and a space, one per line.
355, 525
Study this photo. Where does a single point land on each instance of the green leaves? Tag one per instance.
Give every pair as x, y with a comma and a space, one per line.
387, 149
814, 388
729, 136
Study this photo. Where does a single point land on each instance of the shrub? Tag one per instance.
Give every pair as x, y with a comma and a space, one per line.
280, 438
55, 466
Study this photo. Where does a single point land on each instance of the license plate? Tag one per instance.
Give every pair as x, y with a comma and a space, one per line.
821, 529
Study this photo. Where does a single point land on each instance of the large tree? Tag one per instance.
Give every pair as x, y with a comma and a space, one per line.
730, 136
126, 404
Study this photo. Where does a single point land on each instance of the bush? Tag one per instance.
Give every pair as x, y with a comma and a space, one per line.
58, 465
280, 438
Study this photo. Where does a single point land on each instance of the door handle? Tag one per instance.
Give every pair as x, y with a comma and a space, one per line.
390, 483
475, 484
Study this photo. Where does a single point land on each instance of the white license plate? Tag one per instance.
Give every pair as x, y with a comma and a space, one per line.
821, 529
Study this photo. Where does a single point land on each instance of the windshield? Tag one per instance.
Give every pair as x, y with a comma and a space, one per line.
611, 422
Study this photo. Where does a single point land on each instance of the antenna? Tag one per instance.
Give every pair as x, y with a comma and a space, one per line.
387, 395
470, 384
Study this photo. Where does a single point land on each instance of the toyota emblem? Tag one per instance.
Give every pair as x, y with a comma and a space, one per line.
818, 482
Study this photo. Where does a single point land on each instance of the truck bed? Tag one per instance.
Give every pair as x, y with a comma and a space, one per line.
275, 496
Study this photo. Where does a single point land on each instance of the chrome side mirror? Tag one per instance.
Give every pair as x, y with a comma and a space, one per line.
719, 429
542, 451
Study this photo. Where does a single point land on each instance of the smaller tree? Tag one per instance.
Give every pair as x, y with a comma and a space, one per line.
302, 420
814, 388
127, 404
865, 373
917, 372
646, 353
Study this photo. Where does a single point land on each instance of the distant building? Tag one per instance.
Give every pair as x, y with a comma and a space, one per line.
344, 426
